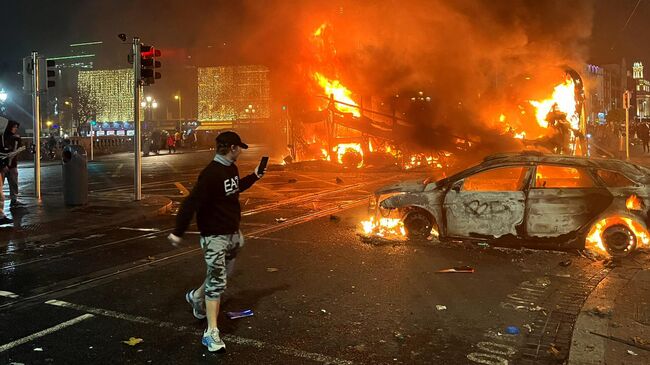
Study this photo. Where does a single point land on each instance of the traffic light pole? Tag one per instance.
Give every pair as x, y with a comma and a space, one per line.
36, 97
137, 175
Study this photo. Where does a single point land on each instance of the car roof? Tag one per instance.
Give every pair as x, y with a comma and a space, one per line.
634, 172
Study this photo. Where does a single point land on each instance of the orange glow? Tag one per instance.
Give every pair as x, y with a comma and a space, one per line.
339, 92
633, 203
342, 148
502, 118
594, 241
384, 227
564, 96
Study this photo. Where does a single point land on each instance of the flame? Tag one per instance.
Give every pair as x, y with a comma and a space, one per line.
594, 241
633, 203
342, 148
564, 97
384, 227
339, 93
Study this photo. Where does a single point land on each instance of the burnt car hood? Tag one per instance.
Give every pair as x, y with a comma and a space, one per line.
409, 186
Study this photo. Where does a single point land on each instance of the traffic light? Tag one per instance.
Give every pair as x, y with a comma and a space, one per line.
28, 72
50, 73
148, 64
626, 100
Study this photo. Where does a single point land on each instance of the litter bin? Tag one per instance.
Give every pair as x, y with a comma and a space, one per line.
75, 176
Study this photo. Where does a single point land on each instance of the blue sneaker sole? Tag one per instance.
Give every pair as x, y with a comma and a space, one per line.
218, 350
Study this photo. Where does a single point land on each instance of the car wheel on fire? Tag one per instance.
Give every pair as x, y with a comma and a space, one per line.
418, 223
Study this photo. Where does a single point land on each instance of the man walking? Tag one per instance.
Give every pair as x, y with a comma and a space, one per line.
215, 199
7, 145
13, 142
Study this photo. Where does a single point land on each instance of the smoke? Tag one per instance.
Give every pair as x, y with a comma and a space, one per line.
469, 56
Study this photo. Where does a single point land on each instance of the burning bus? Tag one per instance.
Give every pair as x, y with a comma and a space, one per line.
530, 198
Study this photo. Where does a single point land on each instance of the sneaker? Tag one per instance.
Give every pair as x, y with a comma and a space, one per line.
212, 341
197, 309
6, 220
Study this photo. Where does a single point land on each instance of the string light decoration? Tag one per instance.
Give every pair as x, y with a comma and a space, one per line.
231, 93
112, 92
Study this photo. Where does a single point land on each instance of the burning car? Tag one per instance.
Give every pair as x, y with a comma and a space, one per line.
528, 198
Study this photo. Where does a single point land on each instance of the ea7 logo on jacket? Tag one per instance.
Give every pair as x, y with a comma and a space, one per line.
231, 186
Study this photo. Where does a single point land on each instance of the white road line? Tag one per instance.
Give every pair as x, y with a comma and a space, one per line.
140, 229
8, 294
183, 190
117, 170
230, 338
44, 332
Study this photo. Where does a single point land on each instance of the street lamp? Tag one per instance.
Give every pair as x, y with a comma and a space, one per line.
149, 103
3, 95
180, 110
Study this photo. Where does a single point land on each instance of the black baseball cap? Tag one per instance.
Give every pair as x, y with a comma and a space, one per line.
228, 139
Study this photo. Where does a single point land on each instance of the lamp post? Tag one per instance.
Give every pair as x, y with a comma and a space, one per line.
149, 104
180, 110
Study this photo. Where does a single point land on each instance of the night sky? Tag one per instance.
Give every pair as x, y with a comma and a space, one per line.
50, 25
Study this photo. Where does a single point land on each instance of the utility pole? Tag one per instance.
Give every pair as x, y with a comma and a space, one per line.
36, 98
626, 105
137, 174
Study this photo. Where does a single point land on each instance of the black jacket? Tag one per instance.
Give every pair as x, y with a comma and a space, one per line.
10, 142
215, 199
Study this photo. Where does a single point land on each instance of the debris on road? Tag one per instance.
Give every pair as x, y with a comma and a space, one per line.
458, 269
528, 327
483, 244
600, 311
280, 220
630, 352
335, 218
441, 307
553, 350
133, 341
38, 349
292, 181
339, 180
242, 314
272, 269
512, 330
565, 263
399, 336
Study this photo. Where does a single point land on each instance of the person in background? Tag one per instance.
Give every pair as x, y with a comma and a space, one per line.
14, 142
171, 143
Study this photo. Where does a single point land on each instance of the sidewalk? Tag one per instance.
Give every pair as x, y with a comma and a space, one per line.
614, 324
52, 218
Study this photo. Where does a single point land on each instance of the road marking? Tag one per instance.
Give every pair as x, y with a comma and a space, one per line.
44, 332
117, 170
230, 338
182, 189
140, 229
8, 294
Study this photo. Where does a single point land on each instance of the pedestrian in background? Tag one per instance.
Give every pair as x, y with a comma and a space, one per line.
14, 142
171, 143
178, 137
643, 132
215, 200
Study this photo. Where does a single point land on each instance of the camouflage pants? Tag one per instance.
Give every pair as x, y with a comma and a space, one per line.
219, 252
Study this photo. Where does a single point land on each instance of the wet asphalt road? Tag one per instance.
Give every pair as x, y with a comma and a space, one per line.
320, 293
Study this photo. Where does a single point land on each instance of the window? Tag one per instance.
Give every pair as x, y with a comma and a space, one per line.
554, 177
614, 179
499, 179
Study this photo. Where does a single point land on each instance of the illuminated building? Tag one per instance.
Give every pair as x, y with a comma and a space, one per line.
233, 93
642, 91
111, 91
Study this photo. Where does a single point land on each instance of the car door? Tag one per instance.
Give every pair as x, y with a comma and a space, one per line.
487, 204
562, 199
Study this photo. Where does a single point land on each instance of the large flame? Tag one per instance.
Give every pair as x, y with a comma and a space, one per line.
342, 148
339, 92
633, 203
564, 97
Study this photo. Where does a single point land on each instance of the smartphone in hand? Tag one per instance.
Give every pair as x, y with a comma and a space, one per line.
262, 167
